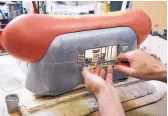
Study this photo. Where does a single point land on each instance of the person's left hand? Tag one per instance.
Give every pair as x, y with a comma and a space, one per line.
104, 91
95, 80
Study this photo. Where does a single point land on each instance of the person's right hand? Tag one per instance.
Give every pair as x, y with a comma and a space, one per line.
141, 65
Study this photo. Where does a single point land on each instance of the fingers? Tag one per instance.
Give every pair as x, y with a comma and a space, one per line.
123, 57
102, 73
124, 69
92, 70
97, 70
109, 76
88, 76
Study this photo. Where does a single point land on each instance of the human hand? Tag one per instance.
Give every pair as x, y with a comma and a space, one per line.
95, 79
104, 91
142, 66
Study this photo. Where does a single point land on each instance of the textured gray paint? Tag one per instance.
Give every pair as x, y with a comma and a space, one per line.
58, 71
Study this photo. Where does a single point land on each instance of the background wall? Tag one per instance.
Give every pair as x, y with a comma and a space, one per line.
157, 11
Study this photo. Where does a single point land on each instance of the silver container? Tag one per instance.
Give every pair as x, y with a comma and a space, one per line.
12, 103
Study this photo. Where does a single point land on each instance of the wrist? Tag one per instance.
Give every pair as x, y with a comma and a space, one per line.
109, 102
163, 73
103, 93
107, 94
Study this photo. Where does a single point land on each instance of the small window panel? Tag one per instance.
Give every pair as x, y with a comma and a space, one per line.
103, 56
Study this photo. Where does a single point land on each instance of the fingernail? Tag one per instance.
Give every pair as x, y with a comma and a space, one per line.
115, 67
84, 68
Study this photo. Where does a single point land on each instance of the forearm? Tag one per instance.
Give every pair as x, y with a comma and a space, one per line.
109, 108
109, 104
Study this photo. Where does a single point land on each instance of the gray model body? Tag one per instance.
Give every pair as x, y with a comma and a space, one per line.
58, 71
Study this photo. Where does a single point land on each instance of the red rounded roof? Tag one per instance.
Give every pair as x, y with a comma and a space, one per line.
28, 37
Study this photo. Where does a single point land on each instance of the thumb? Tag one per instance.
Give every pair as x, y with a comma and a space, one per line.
85, 72
123, 57
124, 69
88, 76
109, 76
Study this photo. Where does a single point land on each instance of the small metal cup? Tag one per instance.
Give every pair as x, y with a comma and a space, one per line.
12, 103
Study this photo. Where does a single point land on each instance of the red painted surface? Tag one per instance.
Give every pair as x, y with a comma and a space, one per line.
28, 37
1, 47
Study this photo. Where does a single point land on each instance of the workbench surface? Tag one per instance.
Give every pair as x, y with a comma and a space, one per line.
9, 82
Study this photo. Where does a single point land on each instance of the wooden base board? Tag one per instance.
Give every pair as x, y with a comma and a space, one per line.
134, 93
